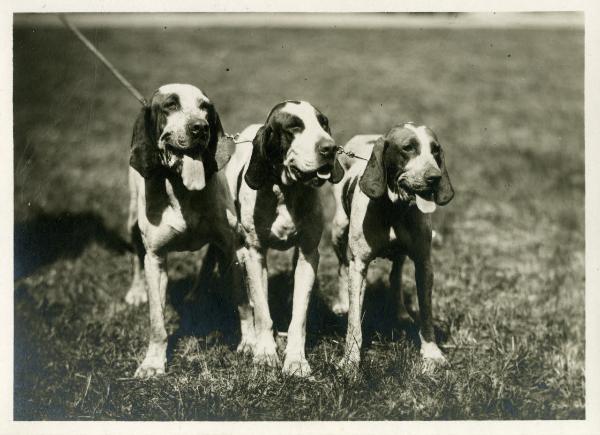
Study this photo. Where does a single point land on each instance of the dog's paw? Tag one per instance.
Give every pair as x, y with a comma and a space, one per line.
349, 365
265, 352
266, 358
339, 308
137, 295
432, 357
150, 367
246, 346
296, 366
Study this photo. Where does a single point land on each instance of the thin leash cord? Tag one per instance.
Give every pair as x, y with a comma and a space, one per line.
350, 154
138, 96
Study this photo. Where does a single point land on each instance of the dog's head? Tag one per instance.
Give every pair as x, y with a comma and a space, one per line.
179, 132
408, 164
293, 146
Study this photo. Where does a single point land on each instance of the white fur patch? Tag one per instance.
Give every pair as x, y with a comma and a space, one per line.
425, 157
189, 95
303, 150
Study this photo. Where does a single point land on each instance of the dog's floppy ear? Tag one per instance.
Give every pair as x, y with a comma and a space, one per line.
144, 156
373, 182
337, 173
258, 171
221, 145
444, 193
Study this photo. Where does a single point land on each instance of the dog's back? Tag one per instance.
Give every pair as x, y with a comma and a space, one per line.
240, 158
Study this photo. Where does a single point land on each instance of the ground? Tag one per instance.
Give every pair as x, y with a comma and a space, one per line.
507, 106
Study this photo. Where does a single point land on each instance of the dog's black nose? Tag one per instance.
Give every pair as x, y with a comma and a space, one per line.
327, 148
433, 179
199, 128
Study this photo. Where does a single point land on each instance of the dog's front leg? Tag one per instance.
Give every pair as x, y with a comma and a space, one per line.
242, 298
430, 351
156, 354
265, 349
295, 362
357, 273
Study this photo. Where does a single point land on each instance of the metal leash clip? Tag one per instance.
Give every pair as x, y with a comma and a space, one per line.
235, 138
350, 154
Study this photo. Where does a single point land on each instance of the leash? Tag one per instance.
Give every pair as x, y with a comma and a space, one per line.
115, 72
235, 137
339, 149
138, 96
350, 154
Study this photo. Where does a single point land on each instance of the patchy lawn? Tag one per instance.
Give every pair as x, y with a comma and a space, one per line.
509, 292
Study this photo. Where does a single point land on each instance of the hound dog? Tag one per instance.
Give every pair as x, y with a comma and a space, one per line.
389, 216
276, 179
179, 201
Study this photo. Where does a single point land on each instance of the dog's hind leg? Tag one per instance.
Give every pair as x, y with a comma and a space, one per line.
207, 269
137, 293
397, 293
339, 238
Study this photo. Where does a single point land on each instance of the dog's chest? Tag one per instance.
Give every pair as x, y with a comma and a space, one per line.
284, 228
273, 219
182, 220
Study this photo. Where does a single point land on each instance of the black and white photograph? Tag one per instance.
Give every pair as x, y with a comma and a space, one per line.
285, 216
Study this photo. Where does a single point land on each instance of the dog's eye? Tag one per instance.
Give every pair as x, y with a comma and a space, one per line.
435, 147
410, 146
171, 105
323, 121
295, 130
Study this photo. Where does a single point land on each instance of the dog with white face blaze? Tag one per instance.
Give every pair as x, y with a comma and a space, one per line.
179, 201
389, 216
275, 180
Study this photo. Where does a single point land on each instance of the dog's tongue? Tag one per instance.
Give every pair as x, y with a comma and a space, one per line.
424, 205
192, 174
324, 173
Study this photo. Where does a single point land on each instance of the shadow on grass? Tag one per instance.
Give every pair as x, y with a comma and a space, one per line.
205, 311
48, 237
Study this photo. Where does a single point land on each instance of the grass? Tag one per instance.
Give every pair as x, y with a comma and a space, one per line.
509, 292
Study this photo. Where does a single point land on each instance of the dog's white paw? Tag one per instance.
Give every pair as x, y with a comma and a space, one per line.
432, 356
265, 351
151, 366
296, 366
246, 346
137, 294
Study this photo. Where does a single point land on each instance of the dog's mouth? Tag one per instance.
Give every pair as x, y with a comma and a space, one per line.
187, 162
173, 155
422, 198
314, 178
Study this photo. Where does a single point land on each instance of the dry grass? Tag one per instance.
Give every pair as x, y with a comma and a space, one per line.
509, 294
